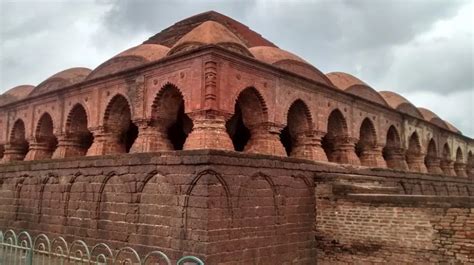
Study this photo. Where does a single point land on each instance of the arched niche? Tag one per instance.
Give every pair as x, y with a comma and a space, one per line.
118, 126
414, 154
393, 153
299, 124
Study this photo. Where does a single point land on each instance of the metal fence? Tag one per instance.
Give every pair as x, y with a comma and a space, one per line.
22, 248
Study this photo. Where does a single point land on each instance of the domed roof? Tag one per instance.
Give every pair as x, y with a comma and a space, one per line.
16, 93
210, 32
355, 86
430, 116
288, 61
133, 57
400, 103
62, 79
452, 128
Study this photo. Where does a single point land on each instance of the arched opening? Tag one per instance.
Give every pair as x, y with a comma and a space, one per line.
44, 137
119, 126
414, 155
336, 130
460, 166
392, 152
242, 127
18, 144
298, 124
169, 115
446, 161
432, 161
77, 129
237, 131
366, 146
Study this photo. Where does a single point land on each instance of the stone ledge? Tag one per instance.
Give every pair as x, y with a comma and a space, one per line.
414, 200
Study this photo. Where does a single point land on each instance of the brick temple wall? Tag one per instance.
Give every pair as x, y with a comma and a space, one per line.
225, 207
355, 228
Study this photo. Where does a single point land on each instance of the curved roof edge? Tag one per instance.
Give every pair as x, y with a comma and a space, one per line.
61, 79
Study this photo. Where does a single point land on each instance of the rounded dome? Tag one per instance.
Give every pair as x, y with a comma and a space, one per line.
430, 116
16, 93
62, 79
133, 57
210, 32
400, 103
288, 61
355, 86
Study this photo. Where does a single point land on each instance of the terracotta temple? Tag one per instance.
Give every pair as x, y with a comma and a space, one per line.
210, 140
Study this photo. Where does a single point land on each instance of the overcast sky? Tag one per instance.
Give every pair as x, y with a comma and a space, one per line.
422, 49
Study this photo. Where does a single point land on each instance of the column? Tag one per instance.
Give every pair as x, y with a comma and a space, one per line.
433, 165
105, 143
416, 162
68, 146
395, 158
265, 139
344, 150
460, 169
371, 156
13, 153
152, 137
448, 167
307, 145
209, 131
38, 151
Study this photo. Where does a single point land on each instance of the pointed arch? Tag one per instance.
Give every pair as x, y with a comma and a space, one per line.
18, 143
432, 160
414, 154
250, 110
215, 190
460, 166
447, 163
168, 113
367, 142
299, 122
117, 122
392, 152
336, 129
76, 130
44, 136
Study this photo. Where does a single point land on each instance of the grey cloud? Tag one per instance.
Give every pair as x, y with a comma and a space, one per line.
377, 41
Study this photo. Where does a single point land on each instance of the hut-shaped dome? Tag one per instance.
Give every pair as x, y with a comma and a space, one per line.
355, 86
400, 103
210, 32
430, 116
16, 93
133, 57
288, 61
62, 79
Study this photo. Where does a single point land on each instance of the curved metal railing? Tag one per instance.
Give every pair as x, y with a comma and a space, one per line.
22, 248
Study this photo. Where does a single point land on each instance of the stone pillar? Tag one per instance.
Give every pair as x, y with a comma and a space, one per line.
265, 139
105, 143
38, 151
448, 168
371, 156
307, 145
395, 158
152, 137
433, 165
416, 163
460, 169
68, 146
13, 153
208, 132
344, 150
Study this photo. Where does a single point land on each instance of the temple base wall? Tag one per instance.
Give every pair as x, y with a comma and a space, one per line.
231, 208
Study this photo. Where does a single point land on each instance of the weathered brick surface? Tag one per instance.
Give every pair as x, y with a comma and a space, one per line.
395, 229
